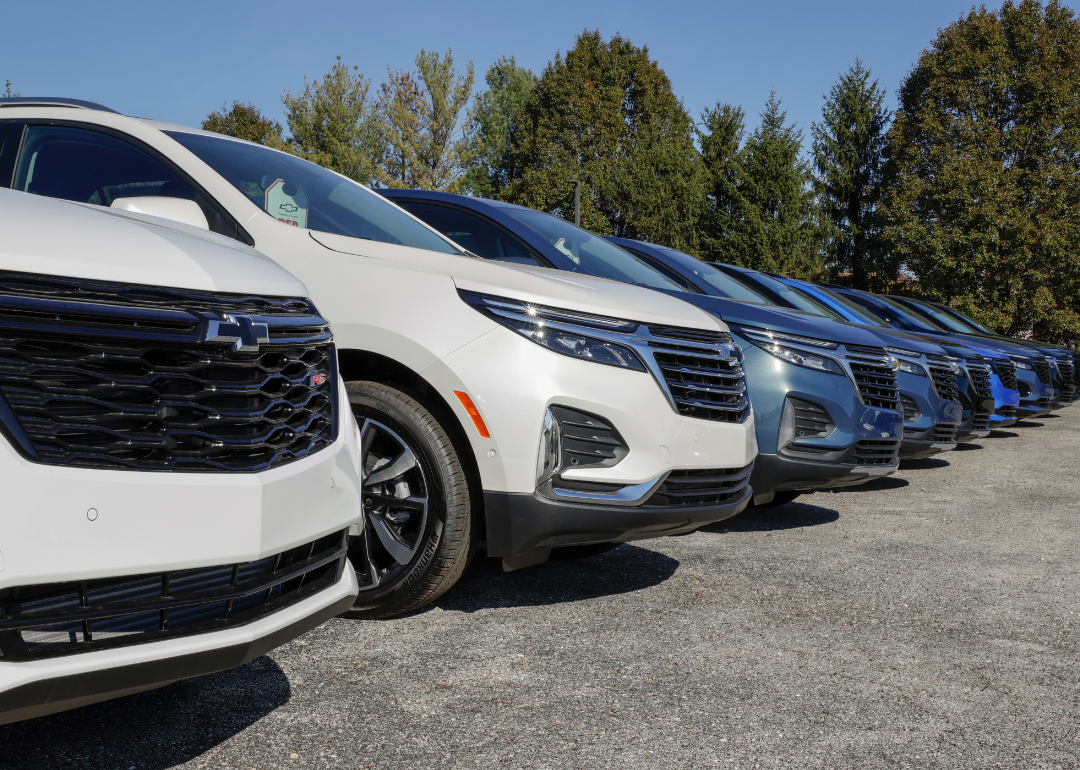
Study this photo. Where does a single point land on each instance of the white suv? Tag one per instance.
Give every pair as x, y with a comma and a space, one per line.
180, 462
499, 404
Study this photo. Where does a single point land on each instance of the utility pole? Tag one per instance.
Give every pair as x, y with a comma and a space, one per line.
577, 200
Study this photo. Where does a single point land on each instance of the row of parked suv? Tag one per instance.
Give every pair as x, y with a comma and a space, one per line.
210, 449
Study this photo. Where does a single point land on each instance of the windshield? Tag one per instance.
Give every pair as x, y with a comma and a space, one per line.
864, 315
590, 252
912, 319
303, 194
968, 320
723, 283
948, 319
796, 298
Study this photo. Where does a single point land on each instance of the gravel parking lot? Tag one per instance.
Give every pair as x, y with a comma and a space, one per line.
928, 620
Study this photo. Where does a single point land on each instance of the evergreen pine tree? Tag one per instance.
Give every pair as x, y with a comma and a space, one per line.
779, 228
495, 113
332, 123
848, 148
720, 227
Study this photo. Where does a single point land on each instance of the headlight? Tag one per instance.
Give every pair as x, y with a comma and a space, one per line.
1022, 363
911, 368
801, 358
547, 327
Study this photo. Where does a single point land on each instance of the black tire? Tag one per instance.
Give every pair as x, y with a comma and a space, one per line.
583, 551
408, 552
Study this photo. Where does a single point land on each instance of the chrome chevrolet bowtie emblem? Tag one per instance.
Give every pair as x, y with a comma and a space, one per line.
244, 334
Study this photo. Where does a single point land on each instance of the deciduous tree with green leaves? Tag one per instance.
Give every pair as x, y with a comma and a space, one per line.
848, 146
605, 113
8, 93
244, 121
332, 122
982, 199
422, 121
495, 114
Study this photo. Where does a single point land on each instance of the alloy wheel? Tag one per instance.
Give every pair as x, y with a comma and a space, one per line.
394, 502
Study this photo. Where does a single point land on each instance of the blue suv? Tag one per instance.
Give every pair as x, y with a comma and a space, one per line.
927, 375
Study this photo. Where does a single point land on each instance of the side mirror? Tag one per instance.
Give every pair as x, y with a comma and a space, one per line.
177, 209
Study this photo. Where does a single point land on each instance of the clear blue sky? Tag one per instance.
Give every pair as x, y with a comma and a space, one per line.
178, 61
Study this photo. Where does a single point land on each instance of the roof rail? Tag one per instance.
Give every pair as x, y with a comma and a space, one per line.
52, 101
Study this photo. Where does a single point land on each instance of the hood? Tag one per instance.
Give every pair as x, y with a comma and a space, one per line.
987, 346
894, 338
779, 319
538, 285
75, 240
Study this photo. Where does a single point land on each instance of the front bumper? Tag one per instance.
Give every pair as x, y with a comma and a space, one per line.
42, 687
919, 444
520, 523
72, 526
778, 474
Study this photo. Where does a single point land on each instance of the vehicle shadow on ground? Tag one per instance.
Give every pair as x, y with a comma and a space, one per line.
627, 568
924, 463
793, 515
153, 730
884, 484
1002, 434
967, 446
1027, 424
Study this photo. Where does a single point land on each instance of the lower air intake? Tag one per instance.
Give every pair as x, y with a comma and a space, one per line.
874, 452
685, 489
45, 621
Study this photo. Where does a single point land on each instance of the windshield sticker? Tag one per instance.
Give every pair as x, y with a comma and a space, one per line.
287, 202
561, 246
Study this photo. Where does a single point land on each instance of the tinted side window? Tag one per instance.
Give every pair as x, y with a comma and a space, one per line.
77, 164
472, 232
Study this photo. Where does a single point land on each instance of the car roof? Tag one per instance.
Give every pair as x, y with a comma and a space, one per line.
53, 101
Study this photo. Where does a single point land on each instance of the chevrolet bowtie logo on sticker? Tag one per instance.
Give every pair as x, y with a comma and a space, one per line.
244, 334
317, 380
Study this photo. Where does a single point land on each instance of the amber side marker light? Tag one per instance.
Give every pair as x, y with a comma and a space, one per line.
470, 407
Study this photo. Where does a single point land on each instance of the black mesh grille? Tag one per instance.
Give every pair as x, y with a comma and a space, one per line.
120, 386
1045, 402
980, 421
1006, 370
1042, 369
64, 618
686, 488
1007, 411
875, 379
703, 382
874, 452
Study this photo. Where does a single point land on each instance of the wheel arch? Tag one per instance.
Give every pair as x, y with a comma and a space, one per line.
356, 364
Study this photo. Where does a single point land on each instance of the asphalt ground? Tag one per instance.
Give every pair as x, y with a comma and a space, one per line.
927, 620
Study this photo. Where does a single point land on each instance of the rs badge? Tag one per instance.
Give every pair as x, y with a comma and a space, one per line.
317, 380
